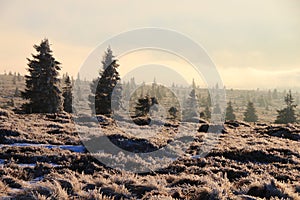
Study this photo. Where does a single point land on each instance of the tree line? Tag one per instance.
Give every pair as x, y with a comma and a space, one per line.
285, 115
45, 95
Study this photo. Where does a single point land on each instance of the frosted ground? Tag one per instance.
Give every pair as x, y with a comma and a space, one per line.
43, 156
249, 162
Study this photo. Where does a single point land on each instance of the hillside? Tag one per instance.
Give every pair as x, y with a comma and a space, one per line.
42, 156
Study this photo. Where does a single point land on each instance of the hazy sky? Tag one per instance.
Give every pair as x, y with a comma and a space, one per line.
253, 43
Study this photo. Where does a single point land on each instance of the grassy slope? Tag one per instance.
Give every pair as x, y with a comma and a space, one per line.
258, 161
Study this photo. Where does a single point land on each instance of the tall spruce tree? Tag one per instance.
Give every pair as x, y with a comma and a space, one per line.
287, 114
229, 112
250, 114
67, 94
42, 83
108, 58
105, 86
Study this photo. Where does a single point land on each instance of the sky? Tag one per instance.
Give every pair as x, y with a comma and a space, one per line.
253, 44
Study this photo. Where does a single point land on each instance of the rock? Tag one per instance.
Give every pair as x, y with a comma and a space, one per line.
142, 121
232, 123
203, 128
213, 128
256, 191
137, 145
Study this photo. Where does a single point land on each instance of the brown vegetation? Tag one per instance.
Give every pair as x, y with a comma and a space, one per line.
249, 162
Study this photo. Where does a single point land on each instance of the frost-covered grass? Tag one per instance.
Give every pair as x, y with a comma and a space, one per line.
40, 159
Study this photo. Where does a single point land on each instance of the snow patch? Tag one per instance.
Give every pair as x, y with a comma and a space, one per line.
36, 180
74, 148
197, 156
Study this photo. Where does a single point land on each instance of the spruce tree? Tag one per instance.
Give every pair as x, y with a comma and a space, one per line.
287, 114
103, 87
19, 77
106, 86
250, 114
42, 83
217, 109
261, 101
269, 97
207, 112
275, 94
192, 108
173, 112
77, 89
67, 94
208, 100
154, 88
17, 92
229, 112
14, 80
193, 84
108, 58
143, 106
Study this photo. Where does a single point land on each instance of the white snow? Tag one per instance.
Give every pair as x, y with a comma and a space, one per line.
31, 165
74, 148
196, 156
77, 149
37, 179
